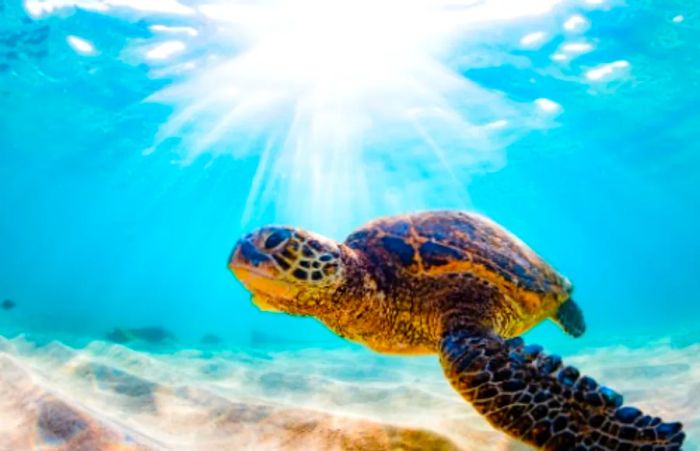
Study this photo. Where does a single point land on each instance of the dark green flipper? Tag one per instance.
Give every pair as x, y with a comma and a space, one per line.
532, 397
570, 318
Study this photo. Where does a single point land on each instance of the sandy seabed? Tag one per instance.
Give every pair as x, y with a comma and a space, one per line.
110, 397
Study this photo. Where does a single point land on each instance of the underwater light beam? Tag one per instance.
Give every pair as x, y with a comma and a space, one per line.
332, 89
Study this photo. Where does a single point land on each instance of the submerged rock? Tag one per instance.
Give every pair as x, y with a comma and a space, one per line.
154, 335
35, 416
8, 304
118, 336
59, 423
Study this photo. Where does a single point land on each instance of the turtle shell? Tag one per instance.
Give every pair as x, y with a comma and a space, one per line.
440, 242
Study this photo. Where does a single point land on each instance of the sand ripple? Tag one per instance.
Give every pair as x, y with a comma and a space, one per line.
109, 397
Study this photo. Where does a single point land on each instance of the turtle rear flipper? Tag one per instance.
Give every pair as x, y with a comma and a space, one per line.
570, 318
534, 398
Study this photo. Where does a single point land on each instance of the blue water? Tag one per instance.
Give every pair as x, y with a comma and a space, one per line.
95, 233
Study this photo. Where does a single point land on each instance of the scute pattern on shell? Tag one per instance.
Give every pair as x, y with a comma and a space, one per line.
447, 241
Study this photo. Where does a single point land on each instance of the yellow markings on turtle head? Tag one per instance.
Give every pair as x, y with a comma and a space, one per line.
267, 285
262, 302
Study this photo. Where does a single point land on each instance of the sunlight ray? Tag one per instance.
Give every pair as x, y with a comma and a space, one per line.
257, 183
356, 102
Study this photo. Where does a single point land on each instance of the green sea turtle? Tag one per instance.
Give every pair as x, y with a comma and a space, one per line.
460, 286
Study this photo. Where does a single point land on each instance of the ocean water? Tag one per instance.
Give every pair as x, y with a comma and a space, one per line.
140, 139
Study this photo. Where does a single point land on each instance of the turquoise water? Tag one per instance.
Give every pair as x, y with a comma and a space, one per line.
106, 222
140, 140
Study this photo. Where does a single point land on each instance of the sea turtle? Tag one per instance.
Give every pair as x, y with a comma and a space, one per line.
458, 285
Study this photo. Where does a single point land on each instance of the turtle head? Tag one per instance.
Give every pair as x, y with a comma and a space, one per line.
288, 269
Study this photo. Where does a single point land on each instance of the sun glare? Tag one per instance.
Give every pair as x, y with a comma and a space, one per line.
348, 106
354, 102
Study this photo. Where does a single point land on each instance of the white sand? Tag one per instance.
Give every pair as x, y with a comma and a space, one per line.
110, 397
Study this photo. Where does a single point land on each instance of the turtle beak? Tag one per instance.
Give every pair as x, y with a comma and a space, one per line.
246, 256
256, 270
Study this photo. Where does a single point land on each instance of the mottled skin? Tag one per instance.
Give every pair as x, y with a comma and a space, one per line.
460, 286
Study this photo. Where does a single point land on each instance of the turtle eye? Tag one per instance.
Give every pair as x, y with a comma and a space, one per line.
276, 238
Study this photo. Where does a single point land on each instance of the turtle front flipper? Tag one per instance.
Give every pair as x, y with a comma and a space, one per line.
534, 398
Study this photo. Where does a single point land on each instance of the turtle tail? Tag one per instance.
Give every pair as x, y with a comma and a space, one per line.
570, 317
534, 398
